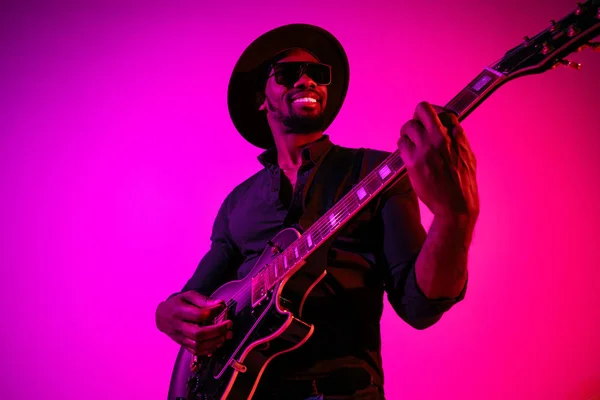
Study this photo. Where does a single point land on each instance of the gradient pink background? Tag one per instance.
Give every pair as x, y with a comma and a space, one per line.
117, 149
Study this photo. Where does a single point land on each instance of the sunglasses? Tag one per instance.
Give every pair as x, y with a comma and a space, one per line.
288, 73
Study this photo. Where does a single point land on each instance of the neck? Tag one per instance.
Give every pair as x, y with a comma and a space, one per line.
289, 148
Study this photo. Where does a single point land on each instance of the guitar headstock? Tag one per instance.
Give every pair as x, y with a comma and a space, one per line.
549, 48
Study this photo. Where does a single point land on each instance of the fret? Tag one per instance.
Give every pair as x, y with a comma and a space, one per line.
305, 248
315, 234
536, 55
270, 272
467, 98
336, 215
323, 229
351, 202
361, 194
372, 184
285, 261
280, 267
396, 161
384, 172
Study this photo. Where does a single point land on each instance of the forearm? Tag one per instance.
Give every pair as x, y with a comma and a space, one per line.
441, 267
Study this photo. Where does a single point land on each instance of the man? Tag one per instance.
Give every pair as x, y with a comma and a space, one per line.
285, 90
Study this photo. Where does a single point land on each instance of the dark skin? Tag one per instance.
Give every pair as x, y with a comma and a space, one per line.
440, 165
187, 319
279, 103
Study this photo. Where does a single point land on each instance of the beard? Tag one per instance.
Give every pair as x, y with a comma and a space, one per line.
303, 123
298, 124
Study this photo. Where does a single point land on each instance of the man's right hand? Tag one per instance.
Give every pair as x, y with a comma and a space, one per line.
181, 317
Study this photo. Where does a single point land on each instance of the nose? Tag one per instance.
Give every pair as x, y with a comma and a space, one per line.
305, 81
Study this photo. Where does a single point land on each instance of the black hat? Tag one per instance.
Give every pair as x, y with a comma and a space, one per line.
250, 68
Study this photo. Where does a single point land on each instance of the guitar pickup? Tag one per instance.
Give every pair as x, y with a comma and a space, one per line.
259, 288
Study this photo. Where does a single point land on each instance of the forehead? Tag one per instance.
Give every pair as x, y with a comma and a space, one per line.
296, 55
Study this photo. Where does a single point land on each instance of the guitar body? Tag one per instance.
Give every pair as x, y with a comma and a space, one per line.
260, 333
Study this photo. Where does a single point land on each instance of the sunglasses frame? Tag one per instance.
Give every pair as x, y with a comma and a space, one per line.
303, 65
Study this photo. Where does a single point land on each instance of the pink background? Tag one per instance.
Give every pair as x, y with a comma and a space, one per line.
116, 150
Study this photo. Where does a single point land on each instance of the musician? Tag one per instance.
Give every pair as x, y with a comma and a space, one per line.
285, 90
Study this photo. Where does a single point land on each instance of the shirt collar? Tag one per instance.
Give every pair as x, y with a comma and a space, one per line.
311, 153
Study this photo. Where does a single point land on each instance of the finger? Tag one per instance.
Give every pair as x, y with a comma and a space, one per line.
190, 313
406, 148
202, 333
195, 298
450, 122
415, 130
425, 113
189, 345
440, 110
209, 315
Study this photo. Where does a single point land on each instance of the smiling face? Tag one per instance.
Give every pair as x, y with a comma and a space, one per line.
298, 107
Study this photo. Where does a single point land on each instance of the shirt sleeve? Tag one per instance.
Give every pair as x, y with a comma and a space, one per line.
222, 259
403, 236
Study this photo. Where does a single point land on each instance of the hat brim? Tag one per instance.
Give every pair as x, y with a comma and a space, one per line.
241, 95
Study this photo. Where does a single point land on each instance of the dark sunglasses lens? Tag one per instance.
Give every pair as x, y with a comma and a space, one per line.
288, 73
319, 73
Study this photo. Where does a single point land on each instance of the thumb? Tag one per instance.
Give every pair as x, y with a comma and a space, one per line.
202, 301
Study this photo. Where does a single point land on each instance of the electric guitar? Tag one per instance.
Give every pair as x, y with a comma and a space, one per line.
266, 306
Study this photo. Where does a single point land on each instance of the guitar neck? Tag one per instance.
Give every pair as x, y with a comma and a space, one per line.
387, 172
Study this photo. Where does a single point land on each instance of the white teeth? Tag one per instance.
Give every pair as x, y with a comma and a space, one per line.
305, 100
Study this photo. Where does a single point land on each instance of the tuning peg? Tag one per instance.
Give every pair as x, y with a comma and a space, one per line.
595, 46
554, 26
570, 64
573, 31
580, 8
547, 48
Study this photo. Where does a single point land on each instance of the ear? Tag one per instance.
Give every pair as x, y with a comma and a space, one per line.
261, 102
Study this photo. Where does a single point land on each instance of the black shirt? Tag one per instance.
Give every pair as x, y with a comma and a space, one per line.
373, 254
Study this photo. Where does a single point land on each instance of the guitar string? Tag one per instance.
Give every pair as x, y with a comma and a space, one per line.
244, 291
339, 210
322, 227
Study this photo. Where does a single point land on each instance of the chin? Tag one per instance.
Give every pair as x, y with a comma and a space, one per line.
305, 124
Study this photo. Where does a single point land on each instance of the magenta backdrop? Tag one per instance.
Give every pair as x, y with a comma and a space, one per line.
117, 149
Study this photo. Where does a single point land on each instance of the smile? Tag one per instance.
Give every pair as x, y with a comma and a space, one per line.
305, 100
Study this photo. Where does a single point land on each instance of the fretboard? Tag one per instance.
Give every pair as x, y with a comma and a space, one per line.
386, 173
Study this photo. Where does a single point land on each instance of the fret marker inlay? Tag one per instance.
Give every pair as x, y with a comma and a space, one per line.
384, 171
481, 82
296, 251
309, 241
333, 219
361, 193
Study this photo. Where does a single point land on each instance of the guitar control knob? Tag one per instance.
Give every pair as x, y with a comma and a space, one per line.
554, 26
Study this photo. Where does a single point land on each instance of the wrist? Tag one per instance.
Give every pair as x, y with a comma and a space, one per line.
456, 225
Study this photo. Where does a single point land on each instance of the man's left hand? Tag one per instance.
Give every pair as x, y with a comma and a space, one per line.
440, 163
